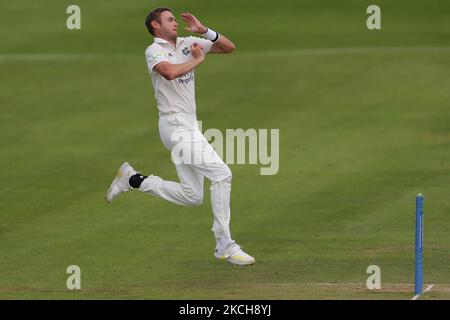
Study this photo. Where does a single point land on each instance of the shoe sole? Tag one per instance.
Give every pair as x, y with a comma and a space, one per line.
117, 177
238, 263
241, 263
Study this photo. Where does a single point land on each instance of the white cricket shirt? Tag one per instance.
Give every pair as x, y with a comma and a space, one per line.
178, 95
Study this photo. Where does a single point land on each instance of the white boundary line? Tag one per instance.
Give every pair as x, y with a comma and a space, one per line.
348, 50
302, 51
45, 56
426, 290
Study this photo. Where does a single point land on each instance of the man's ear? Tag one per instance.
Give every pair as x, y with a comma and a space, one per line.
155, 24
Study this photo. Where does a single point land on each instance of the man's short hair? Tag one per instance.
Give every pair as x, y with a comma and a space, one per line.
155, 15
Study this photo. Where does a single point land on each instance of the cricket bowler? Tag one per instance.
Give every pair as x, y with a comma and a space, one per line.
171, 61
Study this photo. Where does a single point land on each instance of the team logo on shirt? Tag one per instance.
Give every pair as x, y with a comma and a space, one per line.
186, 51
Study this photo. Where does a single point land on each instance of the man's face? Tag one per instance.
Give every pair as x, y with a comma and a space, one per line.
168, 25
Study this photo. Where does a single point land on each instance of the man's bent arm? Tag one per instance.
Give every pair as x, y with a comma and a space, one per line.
222, 45
172, 71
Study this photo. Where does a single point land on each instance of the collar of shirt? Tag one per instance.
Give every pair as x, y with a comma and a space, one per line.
163, 41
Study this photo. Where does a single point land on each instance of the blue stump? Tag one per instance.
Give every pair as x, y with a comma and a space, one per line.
418, 279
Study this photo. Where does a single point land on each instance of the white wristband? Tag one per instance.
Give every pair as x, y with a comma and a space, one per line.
211, 35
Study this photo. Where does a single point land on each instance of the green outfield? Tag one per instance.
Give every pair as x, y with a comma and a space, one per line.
364, 120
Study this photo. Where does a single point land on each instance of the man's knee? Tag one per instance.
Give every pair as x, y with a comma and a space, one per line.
194, 197
222, 178
224, 174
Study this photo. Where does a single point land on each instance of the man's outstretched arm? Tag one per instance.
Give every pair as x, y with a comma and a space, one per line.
222, 45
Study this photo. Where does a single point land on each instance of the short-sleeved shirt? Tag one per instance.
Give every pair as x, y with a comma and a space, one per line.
178, 95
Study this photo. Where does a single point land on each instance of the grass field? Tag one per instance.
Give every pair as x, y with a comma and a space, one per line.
364, 119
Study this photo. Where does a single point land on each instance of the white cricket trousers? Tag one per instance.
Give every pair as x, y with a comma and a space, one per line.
180, 131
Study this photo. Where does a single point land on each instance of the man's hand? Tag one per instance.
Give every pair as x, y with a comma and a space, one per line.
197, 52
222, 45
193, 24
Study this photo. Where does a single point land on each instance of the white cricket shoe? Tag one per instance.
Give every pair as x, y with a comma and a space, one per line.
120, 183
234, 254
